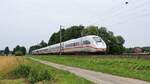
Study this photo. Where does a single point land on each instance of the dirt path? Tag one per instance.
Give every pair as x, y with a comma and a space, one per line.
95, 77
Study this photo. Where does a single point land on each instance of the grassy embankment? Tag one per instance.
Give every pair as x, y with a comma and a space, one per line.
8, 64
127, 67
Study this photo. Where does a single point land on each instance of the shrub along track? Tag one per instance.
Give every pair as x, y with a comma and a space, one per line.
96, 77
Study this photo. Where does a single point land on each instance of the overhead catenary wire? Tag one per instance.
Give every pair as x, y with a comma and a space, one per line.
125, 13
133, 6
133, 17
123, 8
132, 12
129, 20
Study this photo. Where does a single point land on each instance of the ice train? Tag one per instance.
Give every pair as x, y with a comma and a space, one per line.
86, 44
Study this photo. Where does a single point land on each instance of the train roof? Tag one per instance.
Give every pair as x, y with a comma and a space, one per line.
42, 48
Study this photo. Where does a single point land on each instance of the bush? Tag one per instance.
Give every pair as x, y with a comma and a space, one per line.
38, 75
21, 71
33, 74
19, 53
46, 75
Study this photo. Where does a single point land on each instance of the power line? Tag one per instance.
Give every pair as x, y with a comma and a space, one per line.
130, 20
132, 10
60, 40
129, 14
125, 12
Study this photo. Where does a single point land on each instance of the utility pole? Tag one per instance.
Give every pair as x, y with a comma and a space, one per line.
97, 31
81, 43
60, 41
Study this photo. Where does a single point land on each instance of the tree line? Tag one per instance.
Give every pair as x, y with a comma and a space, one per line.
38, 46
114, 43
18, 51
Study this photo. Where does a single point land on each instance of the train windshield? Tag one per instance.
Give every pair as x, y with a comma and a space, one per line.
97, 39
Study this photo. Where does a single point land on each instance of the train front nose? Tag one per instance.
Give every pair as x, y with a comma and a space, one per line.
100, 44
101, 47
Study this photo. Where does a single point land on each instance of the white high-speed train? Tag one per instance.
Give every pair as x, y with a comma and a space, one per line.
87, 44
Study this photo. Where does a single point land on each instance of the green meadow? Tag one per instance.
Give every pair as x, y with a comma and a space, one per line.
126, 67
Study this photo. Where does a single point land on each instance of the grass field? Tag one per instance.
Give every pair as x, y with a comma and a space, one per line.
59, 76
127, 67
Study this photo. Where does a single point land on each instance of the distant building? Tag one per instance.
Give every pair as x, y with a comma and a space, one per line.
137, 50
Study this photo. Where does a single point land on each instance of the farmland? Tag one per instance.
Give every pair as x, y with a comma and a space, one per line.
12, 64
7, 64
126, 67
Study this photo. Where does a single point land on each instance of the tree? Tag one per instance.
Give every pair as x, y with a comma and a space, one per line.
38, 46
34, 47
43, 44
23, 50
72, 32
90, 30
54, 39
120, 40
19, 49
67, 34
6, 51
13, 52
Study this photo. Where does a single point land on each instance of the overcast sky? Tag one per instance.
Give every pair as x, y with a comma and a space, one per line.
27, 22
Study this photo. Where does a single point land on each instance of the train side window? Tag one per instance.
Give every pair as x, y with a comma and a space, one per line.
86, 42
97, 39
72, 44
